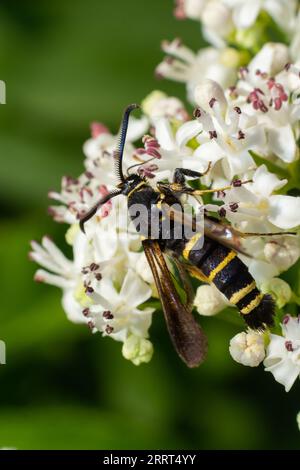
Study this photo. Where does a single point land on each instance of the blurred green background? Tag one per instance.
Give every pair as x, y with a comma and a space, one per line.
65, 64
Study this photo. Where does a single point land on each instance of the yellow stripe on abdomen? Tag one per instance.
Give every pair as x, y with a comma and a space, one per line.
231, 255
190, 245
240, 294
252, 305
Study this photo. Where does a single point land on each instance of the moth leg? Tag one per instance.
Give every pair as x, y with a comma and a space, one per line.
257, 234
234, 184
181, 173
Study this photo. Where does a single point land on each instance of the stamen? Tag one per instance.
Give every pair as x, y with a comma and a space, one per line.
222, 212
241, 135
233, 92
289, 346
107, 315
94, 267
197, 113
212, 102
286, 319
256, 100
109, 329
221, 194
213, 134
243, 72
233, 206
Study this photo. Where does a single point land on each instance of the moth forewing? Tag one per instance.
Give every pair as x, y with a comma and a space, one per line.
186, 334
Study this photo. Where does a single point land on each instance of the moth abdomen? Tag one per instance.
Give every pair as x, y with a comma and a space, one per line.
222, 267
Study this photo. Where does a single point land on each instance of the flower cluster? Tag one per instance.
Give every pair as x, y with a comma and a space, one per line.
245, 89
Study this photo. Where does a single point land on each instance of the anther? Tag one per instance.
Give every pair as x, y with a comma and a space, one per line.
222, 212
289, 346
212, 102
213, 134
233, 206
107, 315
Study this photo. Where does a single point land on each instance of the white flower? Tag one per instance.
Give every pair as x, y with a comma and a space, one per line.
277, 111
189, 9
172, 147
137, 350
217, 22
247, 348
99, 149
115, 312
60, 272
245, 12
253, 207
228, 133
77, 196
279, 289
283, 353
209, 301
282, 252
271, 59
183, 65
157, 104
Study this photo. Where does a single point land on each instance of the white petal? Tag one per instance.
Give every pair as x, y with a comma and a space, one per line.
265, 182
245, 13
276, 350
164, 134
56, 254
271, 59
134, 290
44, 276
237, 164
284, 211
282, 142
262, 271
291, 328
285, 372
187, 131
208, 152
72, 308
137, 128
208, 90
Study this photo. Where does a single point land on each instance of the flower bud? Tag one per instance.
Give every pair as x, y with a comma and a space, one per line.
149, 103
208, 93
217, 16
193, 9
282, 252
157, 104
209, 301
247, 348
137, 350
230, 57
71, 234
279, 289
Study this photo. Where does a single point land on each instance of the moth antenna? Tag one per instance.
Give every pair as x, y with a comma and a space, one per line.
118, 153
88, 215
